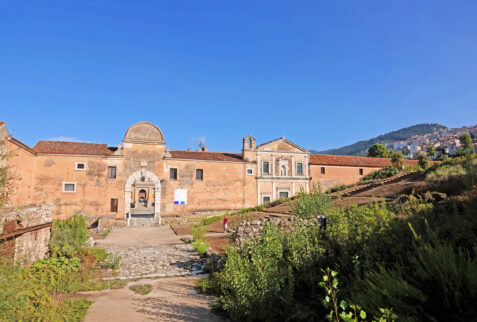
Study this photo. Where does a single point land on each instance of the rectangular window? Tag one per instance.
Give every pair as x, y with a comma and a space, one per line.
266, 167
199, 174
249, 171
80, 166
322, 170
266, 199
283, 194
360, 172
114, 205
69, 187
173, 174
299, 168
111, 172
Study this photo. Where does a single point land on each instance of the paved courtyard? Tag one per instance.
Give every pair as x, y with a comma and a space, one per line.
151, 252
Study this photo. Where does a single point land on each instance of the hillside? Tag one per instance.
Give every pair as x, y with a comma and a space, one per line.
360, 148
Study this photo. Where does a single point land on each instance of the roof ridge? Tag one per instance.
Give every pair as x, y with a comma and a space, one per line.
206, 151
70, 142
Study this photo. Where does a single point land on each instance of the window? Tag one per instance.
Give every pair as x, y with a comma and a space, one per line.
266, 199
199, 174
69, 186
173, 174
266, 167
80, 166
299, 168
250, 171
114, 205
360, 172
111, 172
283, 194
322, 170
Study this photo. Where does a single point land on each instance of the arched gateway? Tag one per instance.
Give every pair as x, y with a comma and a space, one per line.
142, 195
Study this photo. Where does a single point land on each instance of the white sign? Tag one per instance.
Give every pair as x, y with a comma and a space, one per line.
180, 197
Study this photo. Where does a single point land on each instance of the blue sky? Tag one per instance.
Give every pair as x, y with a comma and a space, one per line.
322, 73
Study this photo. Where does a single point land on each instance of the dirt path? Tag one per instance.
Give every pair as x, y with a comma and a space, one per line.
156, 252
172, 299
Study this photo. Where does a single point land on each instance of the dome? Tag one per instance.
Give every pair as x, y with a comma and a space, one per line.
144, 132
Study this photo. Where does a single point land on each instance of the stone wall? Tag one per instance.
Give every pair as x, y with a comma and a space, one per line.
30, 246
251, 229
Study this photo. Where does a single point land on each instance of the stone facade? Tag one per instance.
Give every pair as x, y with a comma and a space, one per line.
30, 246
141, 178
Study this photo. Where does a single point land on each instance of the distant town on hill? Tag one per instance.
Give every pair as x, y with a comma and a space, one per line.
411, 140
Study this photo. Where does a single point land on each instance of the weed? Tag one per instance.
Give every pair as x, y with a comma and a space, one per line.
200, 246
142, 289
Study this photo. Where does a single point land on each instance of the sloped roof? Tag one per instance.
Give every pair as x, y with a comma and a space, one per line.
280, 139
353, 161
201, 155
63, 147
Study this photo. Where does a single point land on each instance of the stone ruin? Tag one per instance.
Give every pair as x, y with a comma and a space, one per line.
25, 232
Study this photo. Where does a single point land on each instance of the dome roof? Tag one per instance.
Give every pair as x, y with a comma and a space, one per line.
144, 132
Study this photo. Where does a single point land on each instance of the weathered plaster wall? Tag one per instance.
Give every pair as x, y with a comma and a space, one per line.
224, 186
22, 165
335, 175
93, 188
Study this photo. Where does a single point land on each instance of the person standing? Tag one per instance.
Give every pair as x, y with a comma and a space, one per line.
226, 220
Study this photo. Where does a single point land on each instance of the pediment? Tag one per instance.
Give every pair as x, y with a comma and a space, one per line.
282, 145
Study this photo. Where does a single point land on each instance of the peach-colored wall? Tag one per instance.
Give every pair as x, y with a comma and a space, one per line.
225, 185
21, 163
335, 175
93, 189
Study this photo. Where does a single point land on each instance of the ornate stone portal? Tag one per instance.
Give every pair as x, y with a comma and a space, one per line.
147, 181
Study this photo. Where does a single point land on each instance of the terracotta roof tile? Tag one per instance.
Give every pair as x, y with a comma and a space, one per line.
61, 147
352, 161
199, 155
1, 123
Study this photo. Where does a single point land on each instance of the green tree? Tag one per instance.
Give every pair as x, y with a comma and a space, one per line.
396, 157
378, 151
431, 151
466, 142
423, 160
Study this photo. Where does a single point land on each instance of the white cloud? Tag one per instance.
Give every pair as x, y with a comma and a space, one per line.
66, 138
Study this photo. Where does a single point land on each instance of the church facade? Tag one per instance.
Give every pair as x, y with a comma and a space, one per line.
142, 177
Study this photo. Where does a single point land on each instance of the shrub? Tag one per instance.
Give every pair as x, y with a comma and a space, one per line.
209, 285
311, 204
423, 161
111, 261
337, 188
210, 220
68, 236
438, 284
383, 173
27, 294
99, 254
73, 310
61, 263
197, 232
200, 246
276, 275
